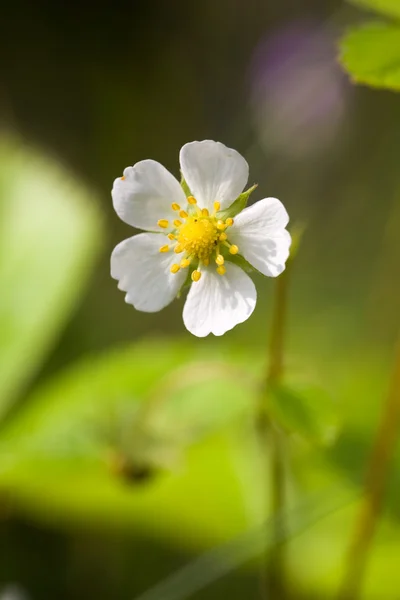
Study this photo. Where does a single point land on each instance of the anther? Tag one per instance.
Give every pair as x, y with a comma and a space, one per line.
175, 268
220, 260
196, 275
164, 248
234, 249
183, 214
222, 237
217, 206
185, 262
204, 212
163, 223
177, 223
229, 221
206, 262
221, 225
221, 270
123, 178
178, 249
171, 236
192, 200
175, 206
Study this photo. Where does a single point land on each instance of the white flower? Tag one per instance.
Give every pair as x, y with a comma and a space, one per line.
191, 234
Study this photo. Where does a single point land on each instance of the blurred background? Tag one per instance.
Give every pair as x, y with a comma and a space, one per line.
100, 497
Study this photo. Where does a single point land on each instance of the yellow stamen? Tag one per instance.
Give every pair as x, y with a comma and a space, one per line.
198, 237
185, 262
163, 223
171, 236
229, 221
220, 260
234, 249
175, 206
223, 237
175, 268
164, 248
123, 178
204, 212
221, 270
177, 223
178, 249
221, 225
183, 214
192, 200
217, 206
196, 275
206, 262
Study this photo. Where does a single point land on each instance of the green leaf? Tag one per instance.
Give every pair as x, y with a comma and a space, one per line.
390, 8
184, 584
238, 205
49, 235
60, 442
371, 55
305, 410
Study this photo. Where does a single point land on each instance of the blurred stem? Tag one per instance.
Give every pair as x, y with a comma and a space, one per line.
271, 442
276, 345
374, 489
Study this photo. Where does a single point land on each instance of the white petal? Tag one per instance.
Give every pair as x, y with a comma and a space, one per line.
144, 272
217, 303
145, 195
213, 172
259, 232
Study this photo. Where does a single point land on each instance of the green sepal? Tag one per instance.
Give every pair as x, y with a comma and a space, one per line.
185, 186
188, 281
238, 205
241, 262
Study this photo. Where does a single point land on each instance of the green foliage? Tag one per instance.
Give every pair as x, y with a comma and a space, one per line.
304, 410
371, 54
49, 237
391, 8
145, 403
238, 205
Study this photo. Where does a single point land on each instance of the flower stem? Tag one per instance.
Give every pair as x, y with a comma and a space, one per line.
374, 489
272, 579
276, 346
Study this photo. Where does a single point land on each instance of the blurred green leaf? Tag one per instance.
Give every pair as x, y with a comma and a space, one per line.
49, 234
224, 559
60, 442
371, 55
391, 8
306, 410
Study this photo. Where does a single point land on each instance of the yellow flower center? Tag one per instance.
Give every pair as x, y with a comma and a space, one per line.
199, 236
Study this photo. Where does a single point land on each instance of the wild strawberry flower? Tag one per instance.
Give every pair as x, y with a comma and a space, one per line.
193, 237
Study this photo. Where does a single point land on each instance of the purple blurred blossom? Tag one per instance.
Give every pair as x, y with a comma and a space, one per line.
298, 91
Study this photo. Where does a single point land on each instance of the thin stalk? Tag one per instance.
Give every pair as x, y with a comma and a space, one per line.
277, 339
374, 489
272, 579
